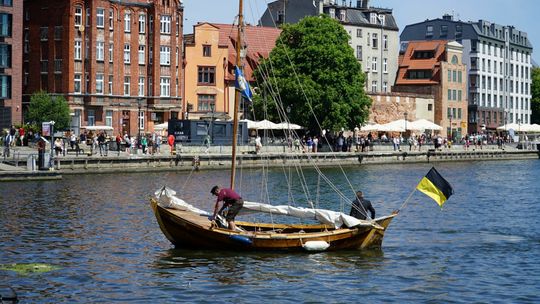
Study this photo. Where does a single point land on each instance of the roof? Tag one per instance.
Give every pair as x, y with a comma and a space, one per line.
259, 41
408, 63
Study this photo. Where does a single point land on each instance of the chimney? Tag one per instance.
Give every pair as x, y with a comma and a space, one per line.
362, 3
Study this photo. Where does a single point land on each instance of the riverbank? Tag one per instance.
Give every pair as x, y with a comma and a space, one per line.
20, 168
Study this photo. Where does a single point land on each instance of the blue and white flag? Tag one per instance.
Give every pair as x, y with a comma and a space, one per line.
241, 83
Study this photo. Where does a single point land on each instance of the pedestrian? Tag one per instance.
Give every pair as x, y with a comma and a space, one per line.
72, 139
231, 200
41, 153
170, 141
144, 143
360, 206
118, 140
101, 144
258, 144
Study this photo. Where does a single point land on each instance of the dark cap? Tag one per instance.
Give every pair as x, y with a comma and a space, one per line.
214, 189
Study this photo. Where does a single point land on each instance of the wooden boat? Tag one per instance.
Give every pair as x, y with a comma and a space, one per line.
188, 227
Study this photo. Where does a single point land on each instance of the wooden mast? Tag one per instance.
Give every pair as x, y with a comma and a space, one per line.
238, 94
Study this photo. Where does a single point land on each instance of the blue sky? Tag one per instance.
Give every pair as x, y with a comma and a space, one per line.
519, 13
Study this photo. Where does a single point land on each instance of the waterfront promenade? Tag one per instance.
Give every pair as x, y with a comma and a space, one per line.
186, 158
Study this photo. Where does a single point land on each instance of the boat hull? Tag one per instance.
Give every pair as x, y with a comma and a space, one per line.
186, 229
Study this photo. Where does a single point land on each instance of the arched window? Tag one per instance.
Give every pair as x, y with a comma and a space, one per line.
454, 59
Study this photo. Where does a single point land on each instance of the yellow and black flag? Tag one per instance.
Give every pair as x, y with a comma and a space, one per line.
435, 186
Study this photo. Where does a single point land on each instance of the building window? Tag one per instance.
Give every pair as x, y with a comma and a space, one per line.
91, 117
430, 107
5, 24
449, 75
100, 17
127, 53
165, 55
374, 40
78, 16
142, 54
206, 76
359, 52
454, 76
127, 22
373, 18
374, 86
449, 94
165, 24
58, 32
207, 50
444, 30
142, 23
429, 31
374, 64
100, 50
111, 19
5, 86
77, 83
459, 74
419, 74
385, 65
205, 102
44, 33
385, 42
385, 86
6, 2
459, 95
127, 84
165, 86
111, 78
78, 50
459, 31
87, 17
99, 83
141, 86
5, 55
111, 51
359, 33
108, 118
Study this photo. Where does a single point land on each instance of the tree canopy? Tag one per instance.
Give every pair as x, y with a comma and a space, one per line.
535, 92
44, 107
314, 72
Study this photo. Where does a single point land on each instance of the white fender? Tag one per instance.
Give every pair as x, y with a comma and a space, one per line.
316, 245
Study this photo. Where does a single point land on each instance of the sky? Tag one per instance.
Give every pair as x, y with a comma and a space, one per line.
519, 13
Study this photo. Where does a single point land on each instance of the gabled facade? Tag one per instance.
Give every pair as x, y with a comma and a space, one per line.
373, 33
210, 57
116, 62
436, 68
499, 63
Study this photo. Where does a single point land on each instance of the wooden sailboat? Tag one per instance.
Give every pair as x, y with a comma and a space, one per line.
189, 227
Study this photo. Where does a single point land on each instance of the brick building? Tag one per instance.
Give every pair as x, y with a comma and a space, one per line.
118, 63
11, 16
436, 68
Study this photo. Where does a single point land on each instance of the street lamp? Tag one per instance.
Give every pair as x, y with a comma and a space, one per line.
139, 104
450, 115
288, 109
212, 107
405, 115
51, 161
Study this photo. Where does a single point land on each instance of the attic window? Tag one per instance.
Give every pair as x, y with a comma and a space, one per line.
423, 54
419, 74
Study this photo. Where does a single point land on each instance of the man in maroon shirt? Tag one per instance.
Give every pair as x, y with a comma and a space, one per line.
230, 199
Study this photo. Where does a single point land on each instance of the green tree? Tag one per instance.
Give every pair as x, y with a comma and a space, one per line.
535, 92
313, 71
44, 107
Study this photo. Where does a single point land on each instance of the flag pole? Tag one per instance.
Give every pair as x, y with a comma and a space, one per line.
407, 200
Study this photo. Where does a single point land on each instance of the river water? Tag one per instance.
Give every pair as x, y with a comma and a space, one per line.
99, 233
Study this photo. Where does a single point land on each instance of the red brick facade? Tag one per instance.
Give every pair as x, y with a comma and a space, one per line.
11, 67
108, 58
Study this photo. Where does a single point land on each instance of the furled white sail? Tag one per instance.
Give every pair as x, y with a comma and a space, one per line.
167, 198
